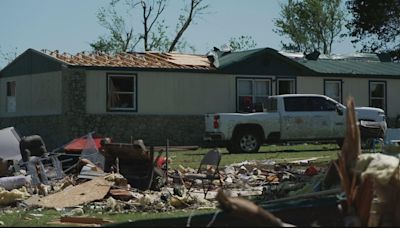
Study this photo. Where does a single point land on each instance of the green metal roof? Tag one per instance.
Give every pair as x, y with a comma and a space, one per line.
226, 59
367, 65
355, 67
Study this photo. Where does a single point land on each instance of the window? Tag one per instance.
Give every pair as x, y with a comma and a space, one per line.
306, 104
377, 94
251, 93
121, 93
285, 86
333, 89
11, 97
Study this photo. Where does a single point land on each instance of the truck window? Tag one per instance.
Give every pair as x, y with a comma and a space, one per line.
296, 104
322, 104
307, 104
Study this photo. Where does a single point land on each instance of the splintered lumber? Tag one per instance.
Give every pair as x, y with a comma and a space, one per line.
90, 191
248, 210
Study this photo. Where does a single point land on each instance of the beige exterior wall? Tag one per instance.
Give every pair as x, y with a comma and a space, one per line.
169, 93
195, 93
310, 85
357, 88
36, 94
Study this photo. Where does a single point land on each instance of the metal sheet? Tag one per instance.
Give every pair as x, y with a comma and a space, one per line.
9, 144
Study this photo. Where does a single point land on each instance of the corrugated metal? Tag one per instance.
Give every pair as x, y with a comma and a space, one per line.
352, 67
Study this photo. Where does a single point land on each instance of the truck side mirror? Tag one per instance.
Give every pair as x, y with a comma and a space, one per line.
339, 110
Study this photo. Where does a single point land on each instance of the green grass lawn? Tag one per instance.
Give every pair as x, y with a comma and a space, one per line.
325, 152
277, 153
31, 218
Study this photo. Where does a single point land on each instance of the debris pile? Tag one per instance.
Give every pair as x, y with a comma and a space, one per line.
94, 174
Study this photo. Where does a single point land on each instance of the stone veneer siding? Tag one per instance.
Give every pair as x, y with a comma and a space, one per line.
56, 130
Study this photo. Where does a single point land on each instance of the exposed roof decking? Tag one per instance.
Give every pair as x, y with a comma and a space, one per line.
136, 60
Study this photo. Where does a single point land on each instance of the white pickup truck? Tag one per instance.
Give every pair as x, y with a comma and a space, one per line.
287, 118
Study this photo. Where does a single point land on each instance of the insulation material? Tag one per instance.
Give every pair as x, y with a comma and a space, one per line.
9, 197
380, 166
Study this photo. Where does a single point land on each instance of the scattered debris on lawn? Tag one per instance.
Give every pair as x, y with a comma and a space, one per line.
94, 174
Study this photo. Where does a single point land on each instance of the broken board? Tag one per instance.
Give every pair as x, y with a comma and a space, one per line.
90, 191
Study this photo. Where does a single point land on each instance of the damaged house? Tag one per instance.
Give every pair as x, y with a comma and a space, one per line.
159, 96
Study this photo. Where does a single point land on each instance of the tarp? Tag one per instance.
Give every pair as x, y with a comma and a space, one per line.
77, 145
9, 144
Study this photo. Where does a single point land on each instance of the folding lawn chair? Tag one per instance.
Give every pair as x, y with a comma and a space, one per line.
207, 171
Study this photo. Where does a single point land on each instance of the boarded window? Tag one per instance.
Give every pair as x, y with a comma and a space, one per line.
333, 89
377, 94
251, 93
11, 97
122, 92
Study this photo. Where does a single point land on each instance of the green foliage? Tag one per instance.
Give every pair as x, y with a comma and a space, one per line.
310, 24
121, 37
242, 43
375, 24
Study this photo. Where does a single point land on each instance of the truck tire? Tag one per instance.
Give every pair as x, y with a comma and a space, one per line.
246, 142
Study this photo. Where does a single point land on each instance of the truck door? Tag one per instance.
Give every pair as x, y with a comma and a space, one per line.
329, 123
298, 122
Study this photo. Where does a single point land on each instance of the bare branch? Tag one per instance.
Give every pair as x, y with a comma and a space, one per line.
195, 8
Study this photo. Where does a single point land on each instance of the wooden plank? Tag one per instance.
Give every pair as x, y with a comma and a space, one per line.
182, 59
90, 191
121, 194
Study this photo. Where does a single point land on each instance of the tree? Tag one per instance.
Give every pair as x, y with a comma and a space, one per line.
310, 24
375, 24
8, 56
154, 35
242, 43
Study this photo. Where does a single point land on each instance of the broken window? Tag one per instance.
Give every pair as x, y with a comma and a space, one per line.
377, 94
251, 92
11, 97
122, 92
285, 86
333, 89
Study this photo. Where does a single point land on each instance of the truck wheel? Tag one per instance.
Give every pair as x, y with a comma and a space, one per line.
247, 142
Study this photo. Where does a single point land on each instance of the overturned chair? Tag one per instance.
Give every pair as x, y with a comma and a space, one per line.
37, 161
207, 172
